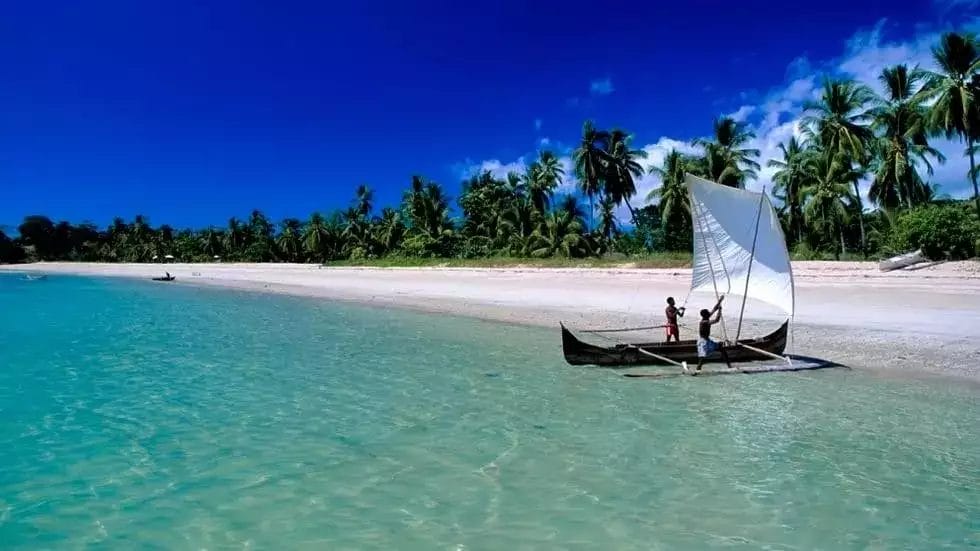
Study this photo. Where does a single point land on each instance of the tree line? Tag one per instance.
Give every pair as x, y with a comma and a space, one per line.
850, 133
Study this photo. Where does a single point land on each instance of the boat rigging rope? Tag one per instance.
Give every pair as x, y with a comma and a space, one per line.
748, 275
625, 330
714, 281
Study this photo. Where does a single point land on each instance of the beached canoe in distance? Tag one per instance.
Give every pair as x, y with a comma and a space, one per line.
164, 278
625, 355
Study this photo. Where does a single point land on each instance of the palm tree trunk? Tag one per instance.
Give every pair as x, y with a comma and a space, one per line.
632, 213
591, 213
860, 204
973, 176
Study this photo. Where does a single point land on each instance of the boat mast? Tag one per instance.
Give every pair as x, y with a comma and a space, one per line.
755, 237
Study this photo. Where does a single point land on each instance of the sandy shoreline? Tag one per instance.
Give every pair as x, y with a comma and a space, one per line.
849, 312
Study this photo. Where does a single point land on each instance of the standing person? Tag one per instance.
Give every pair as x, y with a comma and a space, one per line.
672, 314
707, 346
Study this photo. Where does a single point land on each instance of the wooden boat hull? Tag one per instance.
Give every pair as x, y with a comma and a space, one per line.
171, 278
582, 353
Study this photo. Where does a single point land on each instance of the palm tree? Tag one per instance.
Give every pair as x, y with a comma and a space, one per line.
140, 230
541, 179
259, 226
363, 201
334, 244
607, 228
518, 225
674, 203
827, 194
570, 207
954, 90
900, 119
234, 237
839, 123
289, 239
561, 233
211, 242
588, 158
483, 200
389, 230
356, 232
622, 169
259, 237
315, 237
729, 162
672, 194
788, 183
427, 208
974, 150
516, 183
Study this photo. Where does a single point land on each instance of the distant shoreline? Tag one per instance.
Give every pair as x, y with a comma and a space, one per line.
925, 320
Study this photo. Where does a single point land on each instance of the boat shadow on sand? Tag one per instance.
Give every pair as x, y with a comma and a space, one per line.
800, 363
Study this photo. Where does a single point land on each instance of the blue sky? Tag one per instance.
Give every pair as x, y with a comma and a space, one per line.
191, 112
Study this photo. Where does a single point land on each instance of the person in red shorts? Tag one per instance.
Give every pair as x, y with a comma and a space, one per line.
672, 314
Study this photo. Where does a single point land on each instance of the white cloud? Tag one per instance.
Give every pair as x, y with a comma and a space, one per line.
494, 166
537, 124
952, 176
742, 113
601, 87
569, 183
656, 153
801, 89
867, 54
544, 142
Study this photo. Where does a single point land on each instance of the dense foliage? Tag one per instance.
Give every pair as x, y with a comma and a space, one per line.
848, 135
940, 230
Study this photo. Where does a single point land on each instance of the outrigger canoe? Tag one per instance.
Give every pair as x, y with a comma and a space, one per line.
738, 249
578, 352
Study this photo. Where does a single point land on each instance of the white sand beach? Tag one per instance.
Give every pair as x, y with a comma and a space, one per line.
920, 320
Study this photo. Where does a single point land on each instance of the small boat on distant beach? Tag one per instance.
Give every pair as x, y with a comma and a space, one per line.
167, 277
902, 261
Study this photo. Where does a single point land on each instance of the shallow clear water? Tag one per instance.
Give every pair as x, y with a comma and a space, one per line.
135, 414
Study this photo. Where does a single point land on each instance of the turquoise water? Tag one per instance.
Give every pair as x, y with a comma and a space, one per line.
140, 415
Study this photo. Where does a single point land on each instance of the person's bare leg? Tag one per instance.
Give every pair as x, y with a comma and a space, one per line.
724, 355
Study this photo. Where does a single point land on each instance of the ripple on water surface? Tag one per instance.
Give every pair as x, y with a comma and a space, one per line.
137, 414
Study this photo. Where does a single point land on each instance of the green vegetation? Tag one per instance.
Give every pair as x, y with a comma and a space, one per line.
942, 231
664, 260
847, 135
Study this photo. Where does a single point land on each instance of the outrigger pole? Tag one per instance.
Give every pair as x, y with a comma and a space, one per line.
682, 365
765, 352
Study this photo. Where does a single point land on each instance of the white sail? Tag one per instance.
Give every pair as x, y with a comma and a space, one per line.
738, 239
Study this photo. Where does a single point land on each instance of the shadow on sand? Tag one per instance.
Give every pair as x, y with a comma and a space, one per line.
922, 266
